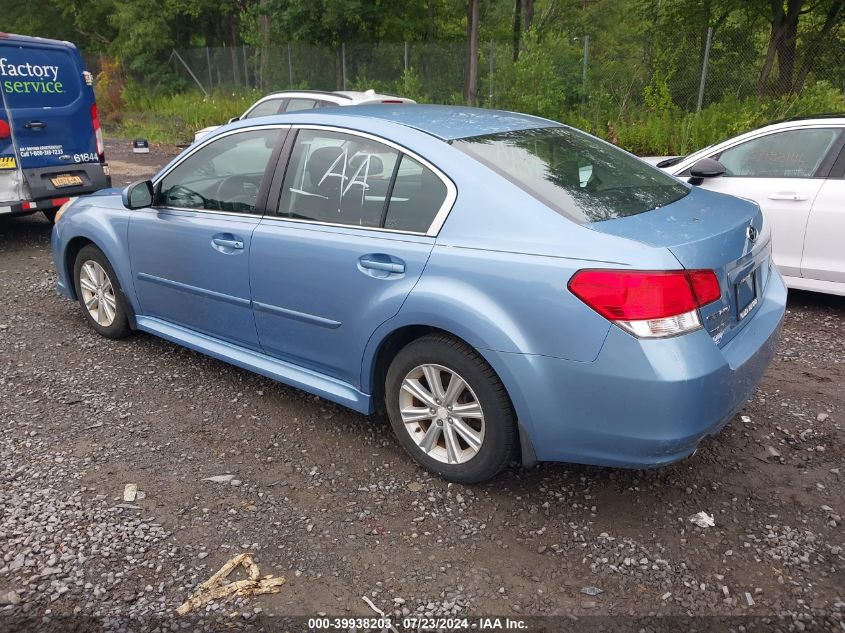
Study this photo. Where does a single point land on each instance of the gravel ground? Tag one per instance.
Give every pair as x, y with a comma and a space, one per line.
326, 498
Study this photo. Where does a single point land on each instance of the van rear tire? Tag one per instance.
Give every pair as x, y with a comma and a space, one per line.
50, 214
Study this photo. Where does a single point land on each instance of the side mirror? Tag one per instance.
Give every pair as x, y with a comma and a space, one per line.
705, 168
233, 119
138, 195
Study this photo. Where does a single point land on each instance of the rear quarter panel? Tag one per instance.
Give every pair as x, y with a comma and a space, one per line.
497, 276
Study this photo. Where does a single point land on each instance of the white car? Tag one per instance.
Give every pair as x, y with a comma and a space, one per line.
293, 100
795, 171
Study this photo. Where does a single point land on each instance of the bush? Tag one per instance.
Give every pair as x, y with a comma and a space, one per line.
108, 87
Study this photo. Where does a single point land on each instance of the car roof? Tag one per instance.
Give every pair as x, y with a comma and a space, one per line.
12, 37
809, 119
447, 123
345, 97
315, 93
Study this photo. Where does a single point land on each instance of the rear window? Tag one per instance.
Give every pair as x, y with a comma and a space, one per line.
575, 174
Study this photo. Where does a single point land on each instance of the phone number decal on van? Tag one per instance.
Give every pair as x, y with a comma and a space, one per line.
41, 150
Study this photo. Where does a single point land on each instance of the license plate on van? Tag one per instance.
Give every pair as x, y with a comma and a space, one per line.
66, 180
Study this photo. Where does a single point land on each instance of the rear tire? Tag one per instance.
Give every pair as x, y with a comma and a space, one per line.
50, 214
100, 294
449, 409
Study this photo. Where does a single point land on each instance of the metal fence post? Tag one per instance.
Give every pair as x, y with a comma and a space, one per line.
290, 69
584, 73
492, 69
343, 62
208, 63
406, 67
246, 71
704, 70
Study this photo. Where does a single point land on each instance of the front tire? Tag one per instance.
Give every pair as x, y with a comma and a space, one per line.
99, 293
449, 409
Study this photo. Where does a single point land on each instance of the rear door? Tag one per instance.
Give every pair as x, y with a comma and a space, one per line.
780, 172
50, 103
350, 238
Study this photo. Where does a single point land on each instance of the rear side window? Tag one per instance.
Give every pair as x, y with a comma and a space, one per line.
339, 178
574, 173
789, 154
295, 105
39, 77
418, 193
266, 108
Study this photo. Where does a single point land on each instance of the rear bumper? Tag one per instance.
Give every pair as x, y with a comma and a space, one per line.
641, 403
44, 195
94, 177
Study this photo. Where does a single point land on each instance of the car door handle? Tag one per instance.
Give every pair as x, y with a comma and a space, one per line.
35, 125
386, 266
787, 195
227, 242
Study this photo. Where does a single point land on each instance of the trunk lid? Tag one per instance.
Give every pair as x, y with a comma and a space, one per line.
707, 230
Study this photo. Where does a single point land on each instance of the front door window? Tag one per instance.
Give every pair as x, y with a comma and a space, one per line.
223, 175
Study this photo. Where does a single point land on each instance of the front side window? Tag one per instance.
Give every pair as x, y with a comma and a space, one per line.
789, 154
223, 175
339, 178
575, 174
265, 108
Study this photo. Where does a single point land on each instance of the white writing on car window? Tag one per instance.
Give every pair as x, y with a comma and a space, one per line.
339, 169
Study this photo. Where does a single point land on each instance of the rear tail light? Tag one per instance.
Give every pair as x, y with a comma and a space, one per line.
648, 304
5, 132
98, 133
392, 101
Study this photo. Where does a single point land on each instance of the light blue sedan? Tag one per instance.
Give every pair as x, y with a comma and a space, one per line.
501, 285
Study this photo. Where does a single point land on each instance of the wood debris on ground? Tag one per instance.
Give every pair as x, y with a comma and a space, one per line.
213, 589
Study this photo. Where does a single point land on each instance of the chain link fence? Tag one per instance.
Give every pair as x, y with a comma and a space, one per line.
577, 74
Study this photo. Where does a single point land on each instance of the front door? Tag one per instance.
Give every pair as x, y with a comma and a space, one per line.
780, 172
190, 251
347, 244
824, 245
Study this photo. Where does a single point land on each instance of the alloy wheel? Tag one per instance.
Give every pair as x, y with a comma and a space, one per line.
442, 414
97, 293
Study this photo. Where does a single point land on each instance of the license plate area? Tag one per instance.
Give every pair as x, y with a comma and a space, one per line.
66, 180
746, 294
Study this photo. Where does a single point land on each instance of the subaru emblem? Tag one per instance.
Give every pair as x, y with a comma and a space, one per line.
751, 234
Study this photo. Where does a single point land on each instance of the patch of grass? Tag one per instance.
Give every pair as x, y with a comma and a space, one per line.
174, 118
